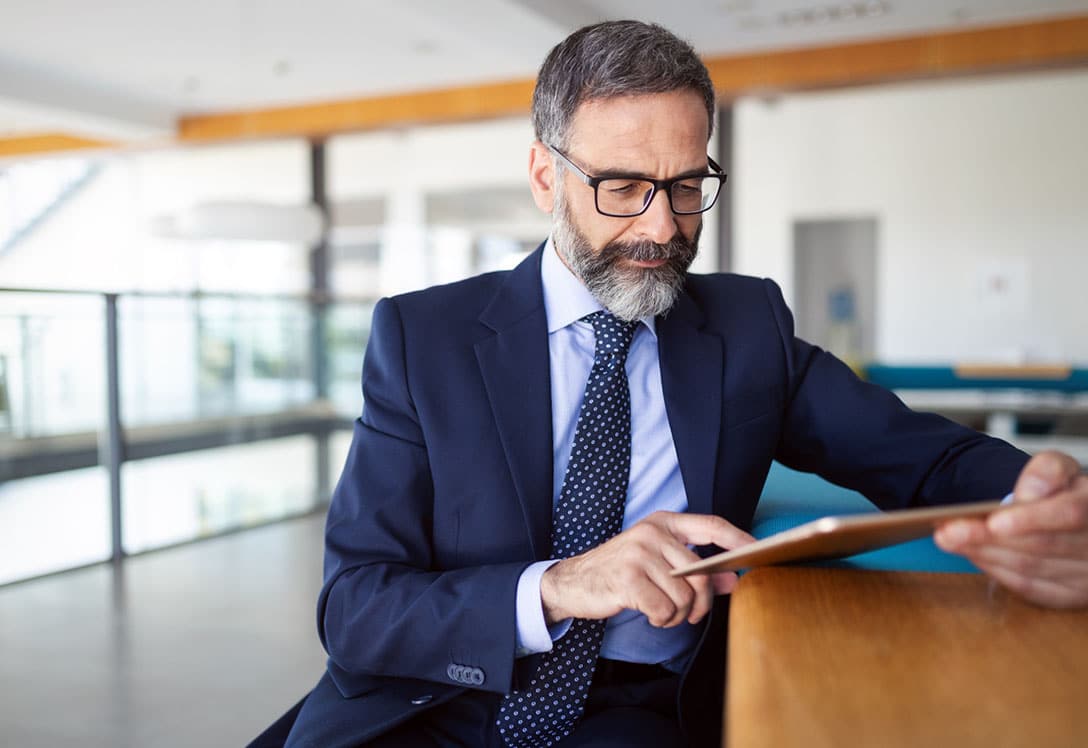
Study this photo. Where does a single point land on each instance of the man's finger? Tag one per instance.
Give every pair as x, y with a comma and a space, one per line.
1071, 545
647, 597
1066, 512
677, 556
1057, 570
1041, 591
958, 534
683, 598
705, 529
1045, 474
724, 582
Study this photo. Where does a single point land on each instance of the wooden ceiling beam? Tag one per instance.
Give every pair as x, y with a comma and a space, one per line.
42, 143
1050, 43
458, 104
1026, 46
1053, 43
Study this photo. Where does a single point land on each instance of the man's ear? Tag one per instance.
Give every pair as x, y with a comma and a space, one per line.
542, 176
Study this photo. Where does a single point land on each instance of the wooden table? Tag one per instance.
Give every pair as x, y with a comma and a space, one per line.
837, 657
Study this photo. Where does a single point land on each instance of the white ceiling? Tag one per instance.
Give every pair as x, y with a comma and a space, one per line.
128, 68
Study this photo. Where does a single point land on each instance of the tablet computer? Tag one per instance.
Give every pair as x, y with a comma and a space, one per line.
837, 537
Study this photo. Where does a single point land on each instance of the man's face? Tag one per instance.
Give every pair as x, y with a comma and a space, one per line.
633, 266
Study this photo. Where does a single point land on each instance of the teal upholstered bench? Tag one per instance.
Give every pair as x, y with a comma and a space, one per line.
791, 498
1056, 378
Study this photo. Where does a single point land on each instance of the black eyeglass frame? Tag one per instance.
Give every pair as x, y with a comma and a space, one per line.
663, 185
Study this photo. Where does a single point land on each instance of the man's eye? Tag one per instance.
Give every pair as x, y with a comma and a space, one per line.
621, 188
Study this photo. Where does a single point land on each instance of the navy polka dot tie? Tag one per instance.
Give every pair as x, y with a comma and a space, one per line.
589, 512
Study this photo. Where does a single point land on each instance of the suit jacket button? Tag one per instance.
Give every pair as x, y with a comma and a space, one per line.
421, 700
454, 673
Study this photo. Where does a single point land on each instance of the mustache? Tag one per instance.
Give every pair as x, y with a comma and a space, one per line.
679, 248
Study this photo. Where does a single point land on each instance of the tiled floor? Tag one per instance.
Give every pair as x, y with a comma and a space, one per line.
200, 645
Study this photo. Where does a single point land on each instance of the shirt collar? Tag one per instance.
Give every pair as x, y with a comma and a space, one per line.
566, 300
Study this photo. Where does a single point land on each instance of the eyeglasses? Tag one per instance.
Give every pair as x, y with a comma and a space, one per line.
622, 196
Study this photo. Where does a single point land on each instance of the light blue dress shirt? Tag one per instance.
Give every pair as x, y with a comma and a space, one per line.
655, 483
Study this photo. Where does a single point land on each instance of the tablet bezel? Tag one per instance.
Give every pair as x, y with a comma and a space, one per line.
838, 537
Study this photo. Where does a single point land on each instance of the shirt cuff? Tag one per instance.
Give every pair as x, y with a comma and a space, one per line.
1007, 499
533, 634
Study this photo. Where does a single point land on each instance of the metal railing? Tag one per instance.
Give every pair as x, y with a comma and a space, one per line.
260, 367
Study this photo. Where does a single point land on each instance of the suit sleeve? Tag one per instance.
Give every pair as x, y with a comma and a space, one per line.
384, 608
862, 436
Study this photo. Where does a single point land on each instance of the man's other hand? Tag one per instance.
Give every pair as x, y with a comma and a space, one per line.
631, 571
1038, 547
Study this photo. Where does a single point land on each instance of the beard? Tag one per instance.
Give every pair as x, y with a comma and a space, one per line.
627, 291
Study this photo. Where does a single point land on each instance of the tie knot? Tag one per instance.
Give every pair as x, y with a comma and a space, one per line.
613, 335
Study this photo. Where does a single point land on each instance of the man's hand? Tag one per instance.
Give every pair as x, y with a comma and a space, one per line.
1038, 547
631, 571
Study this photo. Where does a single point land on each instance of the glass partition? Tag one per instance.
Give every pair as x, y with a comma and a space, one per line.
348, 327
234, 410
54, 495
204, 357
52, 375
181, 497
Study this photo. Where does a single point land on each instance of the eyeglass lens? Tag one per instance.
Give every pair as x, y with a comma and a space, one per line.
628, 197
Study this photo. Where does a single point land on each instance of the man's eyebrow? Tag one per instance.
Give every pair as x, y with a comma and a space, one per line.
624, 174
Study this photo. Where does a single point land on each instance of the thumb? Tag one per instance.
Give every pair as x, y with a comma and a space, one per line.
1046, 473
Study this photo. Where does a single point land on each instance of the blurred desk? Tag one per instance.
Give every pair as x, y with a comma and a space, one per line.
999, 412
836, 657
997, 398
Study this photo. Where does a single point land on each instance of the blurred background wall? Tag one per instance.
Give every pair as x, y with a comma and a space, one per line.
976, 188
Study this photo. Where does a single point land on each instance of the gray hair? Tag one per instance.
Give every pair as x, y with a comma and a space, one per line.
606, 60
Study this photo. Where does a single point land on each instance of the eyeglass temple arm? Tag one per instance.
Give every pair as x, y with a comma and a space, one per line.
572, 166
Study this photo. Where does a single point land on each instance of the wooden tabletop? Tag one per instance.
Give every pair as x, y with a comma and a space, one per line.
837, 657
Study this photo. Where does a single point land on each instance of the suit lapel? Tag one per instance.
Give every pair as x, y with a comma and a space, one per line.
514, 363
692, 363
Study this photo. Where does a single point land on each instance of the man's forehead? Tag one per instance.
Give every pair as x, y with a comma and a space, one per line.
647, 128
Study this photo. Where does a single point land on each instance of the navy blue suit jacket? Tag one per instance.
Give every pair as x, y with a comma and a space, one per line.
446, 495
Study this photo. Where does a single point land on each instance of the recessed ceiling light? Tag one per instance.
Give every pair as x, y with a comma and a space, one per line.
831, 13
425, 47
753, 23
735, 6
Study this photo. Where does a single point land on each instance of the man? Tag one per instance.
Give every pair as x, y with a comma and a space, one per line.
539, 448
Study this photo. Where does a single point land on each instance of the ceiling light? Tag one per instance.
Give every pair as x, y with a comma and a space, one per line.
753, 23
239, 220
735, 6
820, 14
425, 47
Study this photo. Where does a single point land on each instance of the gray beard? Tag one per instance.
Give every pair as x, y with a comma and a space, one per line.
628, 292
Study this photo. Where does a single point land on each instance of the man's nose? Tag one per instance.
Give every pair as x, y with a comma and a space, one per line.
658, 224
